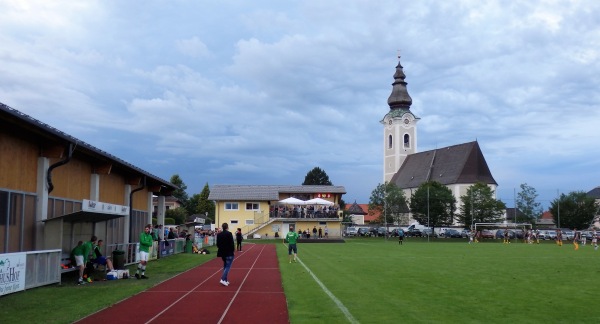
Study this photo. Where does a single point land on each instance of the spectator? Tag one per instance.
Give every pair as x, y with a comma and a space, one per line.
225, 251
239, 238
99, 258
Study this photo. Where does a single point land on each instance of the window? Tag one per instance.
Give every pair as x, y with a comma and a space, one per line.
231, 206
252, 206
406, 140
249, 221
234, 221
390, 143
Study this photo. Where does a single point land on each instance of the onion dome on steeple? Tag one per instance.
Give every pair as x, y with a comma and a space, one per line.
399, 99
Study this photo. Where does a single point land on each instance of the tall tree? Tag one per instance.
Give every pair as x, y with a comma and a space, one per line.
205, 206
179, 193
479, 206
575, 210
388, 200
527, 204
316, 176
434, 204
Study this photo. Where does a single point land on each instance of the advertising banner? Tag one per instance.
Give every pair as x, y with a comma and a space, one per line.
12, 272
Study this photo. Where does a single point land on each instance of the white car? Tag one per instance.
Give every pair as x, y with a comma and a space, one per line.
551, 235
351, 231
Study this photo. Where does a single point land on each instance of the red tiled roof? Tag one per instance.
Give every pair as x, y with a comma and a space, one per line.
368, 216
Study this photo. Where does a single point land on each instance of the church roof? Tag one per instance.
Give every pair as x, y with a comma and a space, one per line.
594, 193
462, 163
399, 98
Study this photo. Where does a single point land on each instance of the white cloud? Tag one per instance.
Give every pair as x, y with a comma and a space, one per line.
229, 92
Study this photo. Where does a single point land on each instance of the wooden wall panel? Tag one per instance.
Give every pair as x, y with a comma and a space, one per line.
72, 180
18, 164
112, 189
140, 199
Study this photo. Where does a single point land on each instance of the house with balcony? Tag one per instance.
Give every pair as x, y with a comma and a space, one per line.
263, 209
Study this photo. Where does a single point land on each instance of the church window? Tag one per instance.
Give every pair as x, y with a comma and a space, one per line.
406, 140
390, 142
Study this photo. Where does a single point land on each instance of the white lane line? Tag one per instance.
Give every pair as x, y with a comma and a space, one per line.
192, 290
240, 287
339, 304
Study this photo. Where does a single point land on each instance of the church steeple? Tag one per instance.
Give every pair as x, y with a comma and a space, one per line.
399, 127
399, 99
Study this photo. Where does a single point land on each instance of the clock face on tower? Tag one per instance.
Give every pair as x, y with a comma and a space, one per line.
406, 121
390, 121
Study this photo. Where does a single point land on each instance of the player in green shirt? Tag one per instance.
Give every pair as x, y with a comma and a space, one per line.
292, 238
145, 244
82, 254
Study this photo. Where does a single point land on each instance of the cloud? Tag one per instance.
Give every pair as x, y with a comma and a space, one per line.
230, 92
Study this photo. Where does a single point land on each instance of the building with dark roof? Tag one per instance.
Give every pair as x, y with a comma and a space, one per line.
260, 209
457, 166
56, 190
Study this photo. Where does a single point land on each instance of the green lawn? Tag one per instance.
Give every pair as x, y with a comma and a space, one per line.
378, 281
443, 281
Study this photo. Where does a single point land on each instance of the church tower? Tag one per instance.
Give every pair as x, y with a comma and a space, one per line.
399, 127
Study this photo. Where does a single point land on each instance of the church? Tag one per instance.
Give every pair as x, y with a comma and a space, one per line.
457, 167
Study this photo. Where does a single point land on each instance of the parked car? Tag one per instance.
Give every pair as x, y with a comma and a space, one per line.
428, 232
465, 233
487, 234
363, 231
396, 232
542, 235
551, 235
381, 231
351, 231
413, 232
452, 233
568, 234
500, 234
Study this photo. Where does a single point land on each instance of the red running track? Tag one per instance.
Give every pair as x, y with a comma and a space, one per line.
255, 294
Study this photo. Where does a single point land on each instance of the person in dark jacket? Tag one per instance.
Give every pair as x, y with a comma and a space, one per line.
238, 239
225, 251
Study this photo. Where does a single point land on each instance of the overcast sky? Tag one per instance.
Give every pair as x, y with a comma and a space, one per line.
261, 92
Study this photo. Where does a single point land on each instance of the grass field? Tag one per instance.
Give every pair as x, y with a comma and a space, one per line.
447, 281
377, 281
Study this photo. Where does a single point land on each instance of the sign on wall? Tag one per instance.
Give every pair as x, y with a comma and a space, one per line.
12, 272
100, 207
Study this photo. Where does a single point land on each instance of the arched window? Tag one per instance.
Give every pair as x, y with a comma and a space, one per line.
390, 142
406, 140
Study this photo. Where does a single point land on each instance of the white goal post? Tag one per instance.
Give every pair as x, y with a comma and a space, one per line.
503, 225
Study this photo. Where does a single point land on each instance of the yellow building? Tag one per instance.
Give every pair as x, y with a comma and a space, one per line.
263, 209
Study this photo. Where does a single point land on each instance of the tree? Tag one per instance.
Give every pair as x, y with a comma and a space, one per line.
316, 176
180, 193
388, 200
433, 204
479, 206
202, 205
528, 206
575, 210
178, 214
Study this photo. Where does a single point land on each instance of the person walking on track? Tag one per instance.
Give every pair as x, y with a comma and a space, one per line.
225, 250
238, 239
145, 244
292, 238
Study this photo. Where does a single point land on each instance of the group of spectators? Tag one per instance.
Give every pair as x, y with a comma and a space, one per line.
316, 233
287, 211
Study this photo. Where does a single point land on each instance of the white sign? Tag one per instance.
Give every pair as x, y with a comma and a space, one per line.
12, 272
106, 208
